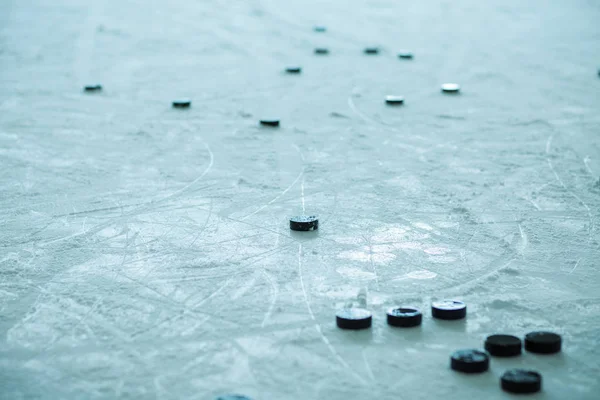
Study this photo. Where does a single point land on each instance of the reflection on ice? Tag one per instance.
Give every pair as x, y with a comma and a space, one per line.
390, 234
436, 250
420, 274
383, 245
356, 273
367, 256
423, 225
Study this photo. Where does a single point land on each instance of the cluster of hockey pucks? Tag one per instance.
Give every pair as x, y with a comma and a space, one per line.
392, 100
468, 361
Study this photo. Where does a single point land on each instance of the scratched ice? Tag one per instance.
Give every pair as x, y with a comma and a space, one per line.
146, 251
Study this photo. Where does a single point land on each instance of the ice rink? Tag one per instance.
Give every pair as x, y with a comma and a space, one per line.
145, 252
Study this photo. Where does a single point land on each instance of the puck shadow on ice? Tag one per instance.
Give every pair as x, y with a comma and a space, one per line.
359, 336
552, 360
482, 381
412, 335
457, 325
304, 236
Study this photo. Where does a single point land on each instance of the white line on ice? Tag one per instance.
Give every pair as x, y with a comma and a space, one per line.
359, 113
275, 198
302, 195
560, 181
367, 365
137, 210
524, 241
576, 265
318, 327
274, 294
183, 189
586, 161
287, 189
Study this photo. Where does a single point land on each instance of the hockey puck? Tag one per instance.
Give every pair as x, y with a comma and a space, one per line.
521, 381
92, 88
233, 397
293, 70
320, 28
406, 55
449, 309
321, 51
543, 342
304, 223
470, 361
182, 103
371, 50
503, 345
270, 122
450, 88
353, 318
394, 100
404, 317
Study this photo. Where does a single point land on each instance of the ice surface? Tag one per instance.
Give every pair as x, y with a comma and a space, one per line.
146, 252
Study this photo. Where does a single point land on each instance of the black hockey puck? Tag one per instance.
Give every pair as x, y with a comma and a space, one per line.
406, 55
503, 345
321, 51
521, 381
353, 318
394, 100
293, 70
92, 88
449, 309
470, 361
182, 103
320, 28
543, 342
269, 122
233, 397
404, 317
451, 88
371, 50
304, 223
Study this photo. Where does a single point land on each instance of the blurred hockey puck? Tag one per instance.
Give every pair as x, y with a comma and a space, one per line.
269, 122
321, 51
353, 318
470, 361
371, 50
450, 88
92, 88
293, 70
449, 309
503, 345
404, 317
304, 223
182, 103
521, 381
394, 100
543, 342
319, 28
406, 55
233, 397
